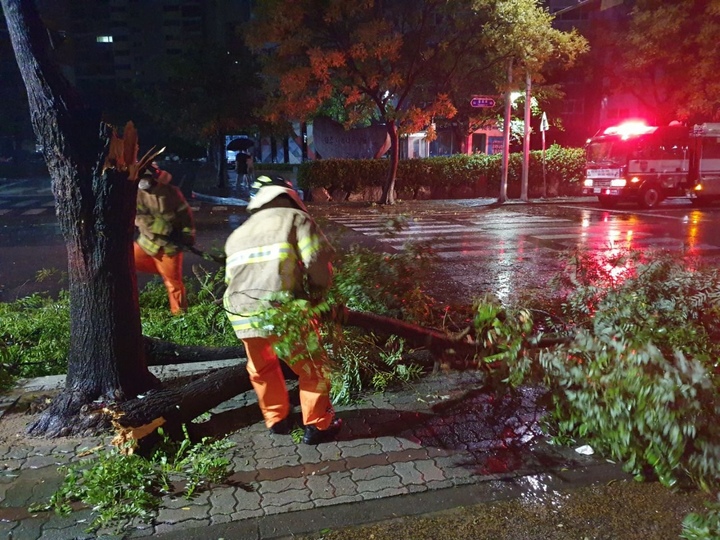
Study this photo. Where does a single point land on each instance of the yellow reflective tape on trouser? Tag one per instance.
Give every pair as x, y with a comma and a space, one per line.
279, 251
309, 246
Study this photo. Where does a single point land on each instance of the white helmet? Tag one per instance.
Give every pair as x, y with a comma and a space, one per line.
266, 188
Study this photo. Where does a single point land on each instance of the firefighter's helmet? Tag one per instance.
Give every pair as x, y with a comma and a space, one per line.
266, 188
265, 181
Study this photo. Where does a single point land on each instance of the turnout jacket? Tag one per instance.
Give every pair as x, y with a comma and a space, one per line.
164, 220
279, 248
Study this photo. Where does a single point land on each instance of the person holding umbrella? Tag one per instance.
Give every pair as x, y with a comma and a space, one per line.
243, 161
244, 169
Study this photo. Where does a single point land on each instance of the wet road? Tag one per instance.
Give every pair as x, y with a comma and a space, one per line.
482, 247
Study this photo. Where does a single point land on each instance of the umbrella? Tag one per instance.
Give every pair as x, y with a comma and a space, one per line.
241, 144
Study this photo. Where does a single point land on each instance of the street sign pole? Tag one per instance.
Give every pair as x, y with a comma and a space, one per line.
543, 128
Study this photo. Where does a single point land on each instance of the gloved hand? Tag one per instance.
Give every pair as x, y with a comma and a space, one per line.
178, 238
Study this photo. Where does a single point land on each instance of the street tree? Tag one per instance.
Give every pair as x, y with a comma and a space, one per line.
94, 174
93, 183
393, 61
668, 57
524, 44
398, 62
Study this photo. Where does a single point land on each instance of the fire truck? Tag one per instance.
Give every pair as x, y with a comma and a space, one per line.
704, 175
638, 163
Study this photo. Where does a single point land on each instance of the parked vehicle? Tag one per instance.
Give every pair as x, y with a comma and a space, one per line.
705, 164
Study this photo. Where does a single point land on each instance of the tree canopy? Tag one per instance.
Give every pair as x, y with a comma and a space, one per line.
401, 63
668, 57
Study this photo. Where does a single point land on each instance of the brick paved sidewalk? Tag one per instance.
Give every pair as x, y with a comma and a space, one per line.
440, 442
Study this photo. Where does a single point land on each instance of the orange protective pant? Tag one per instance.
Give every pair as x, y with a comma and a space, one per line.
268, 381
169, 267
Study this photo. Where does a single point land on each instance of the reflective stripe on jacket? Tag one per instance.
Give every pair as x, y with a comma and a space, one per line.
276, 249
164, 220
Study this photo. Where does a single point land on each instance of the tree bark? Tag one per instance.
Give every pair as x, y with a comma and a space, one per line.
388, 193
95, 210
439, 343
163, 353
219, 156
177, 406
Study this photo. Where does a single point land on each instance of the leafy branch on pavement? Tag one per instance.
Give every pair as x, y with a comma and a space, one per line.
120, 485
639, 382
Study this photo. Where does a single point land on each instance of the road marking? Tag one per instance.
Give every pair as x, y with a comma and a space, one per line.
486, 237
23, 204
33, 212
631, 212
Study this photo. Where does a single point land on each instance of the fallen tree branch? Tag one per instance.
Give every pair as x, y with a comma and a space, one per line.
163, 353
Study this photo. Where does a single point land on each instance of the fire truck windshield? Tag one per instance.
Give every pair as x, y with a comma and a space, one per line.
609, 151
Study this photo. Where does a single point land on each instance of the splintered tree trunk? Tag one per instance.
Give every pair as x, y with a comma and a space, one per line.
95, 209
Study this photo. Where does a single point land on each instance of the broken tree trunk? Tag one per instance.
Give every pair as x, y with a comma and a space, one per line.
439, 343
181, 405
163, 353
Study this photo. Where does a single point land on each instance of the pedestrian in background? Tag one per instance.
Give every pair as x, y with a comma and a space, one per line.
165, 225
280, 249
245, 170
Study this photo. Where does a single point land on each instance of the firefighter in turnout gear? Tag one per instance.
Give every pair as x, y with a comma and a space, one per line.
165, 225
280, 249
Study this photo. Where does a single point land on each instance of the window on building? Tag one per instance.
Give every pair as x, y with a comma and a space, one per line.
104, 39
479, 143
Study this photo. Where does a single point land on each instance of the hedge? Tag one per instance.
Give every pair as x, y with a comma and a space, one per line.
456, 176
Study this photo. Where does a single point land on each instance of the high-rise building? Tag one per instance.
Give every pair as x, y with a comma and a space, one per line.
106, 46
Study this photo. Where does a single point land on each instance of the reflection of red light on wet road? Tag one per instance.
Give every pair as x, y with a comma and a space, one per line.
495, 465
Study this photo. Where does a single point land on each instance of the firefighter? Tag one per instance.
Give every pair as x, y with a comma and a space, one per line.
165, 225
280, 249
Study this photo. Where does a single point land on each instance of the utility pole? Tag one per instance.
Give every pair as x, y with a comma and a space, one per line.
526, 139
506, 137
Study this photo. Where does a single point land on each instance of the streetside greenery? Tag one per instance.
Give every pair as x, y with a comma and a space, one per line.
639, 381
35, 331
459, 176
34, 337
121, 486
637, 377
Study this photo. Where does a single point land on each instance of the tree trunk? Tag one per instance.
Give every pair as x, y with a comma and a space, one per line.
219, 156
388, 193
163, 353
95, 210
182, 405
439, 343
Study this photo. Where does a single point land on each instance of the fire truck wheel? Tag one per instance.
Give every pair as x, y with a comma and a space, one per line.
607, 202
650, 197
